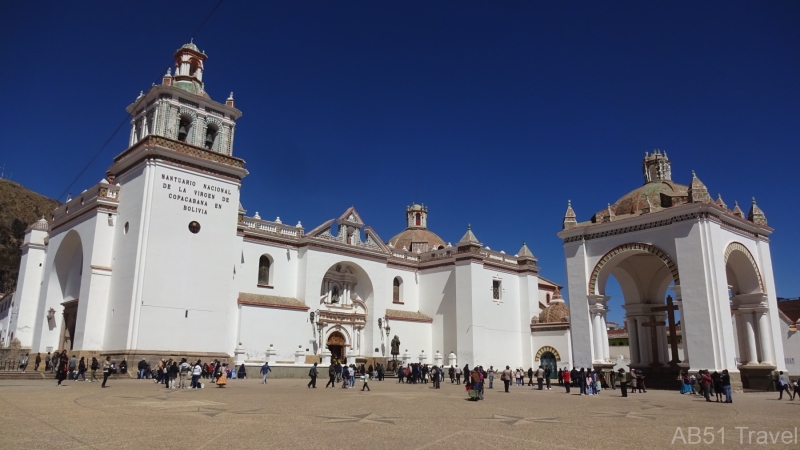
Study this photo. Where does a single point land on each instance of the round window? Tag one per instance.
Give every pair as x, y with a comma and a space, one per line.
194, 227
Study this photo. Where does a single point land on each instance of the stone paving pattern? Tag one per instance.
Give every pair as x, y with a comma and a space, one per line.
135, 414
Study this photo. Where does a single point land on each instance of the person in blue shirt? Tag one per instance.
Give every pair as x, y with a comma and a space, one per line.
265, 369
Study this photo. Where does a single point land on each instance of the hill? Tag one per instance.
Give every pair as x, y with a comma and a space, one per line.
19, 207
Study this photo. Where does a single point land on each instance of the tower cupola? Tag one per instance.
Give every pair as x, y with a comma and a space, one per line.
417, 216
656, 167
189, 68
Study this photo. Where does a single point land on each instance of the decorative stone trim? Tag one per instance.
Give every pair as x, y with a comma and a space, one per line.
738, 246
661, 223
633, 247
546, 349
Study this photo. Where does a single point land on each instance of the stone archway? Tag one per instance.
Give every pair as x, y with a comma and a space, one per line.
336, 344
749, 309
64, 289
644, 273
637, 247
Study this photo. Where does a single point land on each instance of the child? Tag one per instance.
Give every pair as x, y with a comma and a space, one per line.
597, 387
366, 382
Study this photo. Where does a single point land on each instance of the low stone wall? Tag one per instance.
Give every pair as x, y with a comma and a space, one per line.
298, 371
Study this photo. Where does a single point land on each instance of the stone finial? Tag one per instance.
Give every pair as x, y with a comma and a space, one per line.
570, 220
756, 215
736, 210
278, 220
256, 216
720, 202
698, 193
608, 214
469, 237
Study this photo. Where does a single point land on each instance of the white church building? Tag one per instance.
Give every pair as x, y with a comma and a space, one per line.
159, 259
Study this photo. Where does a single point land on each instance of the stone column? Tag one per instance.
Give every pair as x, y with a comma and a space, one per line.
765, 337
679, 303
749, 326
741, 337
606, 350
598, 336
633, 340
645, 345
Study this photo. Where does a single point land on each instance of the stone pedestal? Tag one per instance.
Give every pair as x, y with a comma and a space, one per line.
239, 355
326, 357
271, 354
351, 357
300, 356
422, 357
406, 358
452, 360
437, 359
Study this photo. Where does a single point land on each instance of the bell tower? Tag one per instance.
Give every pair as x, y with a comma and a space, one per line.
180, 108
417, 216
178, 211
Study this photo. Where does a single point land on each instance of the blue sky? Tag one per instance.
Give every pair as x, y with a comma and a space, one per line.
491, 113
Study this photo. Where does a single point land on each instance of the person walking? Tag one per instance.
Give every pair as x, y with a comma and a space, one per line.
313, 374
547, 375
505, 377
61, 364
81, 370
530, 376
366, 382
37, 362
47, 366
23, 362
783, 385
265, 370
490, 374
331, 376
458, 375
93, 366
73, 368
141, 366
106, 370
565, 378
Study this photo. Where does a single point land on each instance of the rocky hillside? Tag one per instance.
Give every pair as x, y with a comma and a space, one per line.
19, 207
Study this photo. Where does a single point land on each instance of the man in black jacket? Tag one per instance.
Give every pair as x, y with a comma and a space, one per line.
313, 374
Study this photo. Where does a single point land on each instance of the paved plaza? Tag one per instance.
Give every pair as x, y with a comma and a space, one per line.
133, 414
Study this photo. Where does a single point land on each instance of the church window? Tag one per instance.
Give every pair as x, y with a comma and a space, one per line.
264, 270
397, 286
497, 289
418, 220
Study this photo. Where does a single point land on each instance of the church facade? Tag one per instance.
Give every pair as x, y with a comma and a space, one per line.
160, 259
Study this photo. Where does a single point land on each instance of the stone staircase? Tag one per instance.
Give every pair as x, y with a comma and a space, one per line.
40, 375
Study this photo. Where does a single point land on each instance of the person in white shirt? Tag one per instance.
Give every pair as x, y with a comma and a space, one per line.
197, 370
350, 374
366, 381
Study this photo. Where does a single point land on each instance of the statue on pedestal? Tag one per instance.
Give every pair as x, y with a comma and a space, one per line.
395, 346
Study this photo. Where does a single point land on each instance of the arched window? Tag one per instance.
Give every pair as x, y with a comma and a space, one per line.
418, 220
185, 128
211, 136
397, 290
264, 270
548, 299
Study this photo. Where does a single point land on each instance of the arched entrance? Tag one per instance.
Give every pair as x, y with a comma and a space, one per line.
644, 273
345, 295
336, 345
65, 288
749, 308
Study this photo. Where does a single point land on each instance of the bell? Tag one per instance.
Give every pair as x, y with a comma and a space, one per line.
182, 129
209, 140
